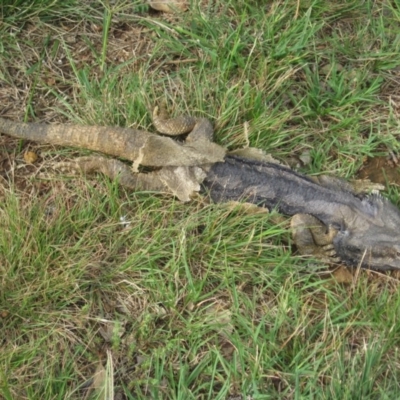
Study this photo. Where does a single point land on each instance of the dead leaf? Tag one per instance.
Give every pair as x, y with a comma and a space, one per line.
99, 380
103, 379
221, 316
168, 6
342, 275
111, 330
30, 157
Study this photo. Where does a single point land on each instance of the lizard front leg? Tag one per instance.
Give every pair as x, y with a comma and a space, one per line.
313, 238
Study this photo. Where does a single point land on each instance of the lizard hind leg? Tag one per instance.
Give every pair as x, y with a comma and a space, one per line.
114, 169
182, 182
313, 238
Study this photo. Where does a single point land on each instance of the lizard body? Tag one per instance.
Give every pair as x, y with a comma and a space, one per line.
358, 230
363, 229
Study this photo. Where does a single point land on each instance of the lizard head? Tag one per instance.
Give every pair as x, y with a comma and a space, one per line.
372, 238
381, 251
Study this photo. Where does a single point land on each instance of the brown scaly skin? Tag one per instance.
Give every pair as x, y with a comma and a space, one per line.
138, 146
331, 221
180, 163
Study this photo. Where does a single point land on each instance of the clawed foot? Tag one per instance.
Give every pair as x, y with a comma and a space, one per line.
313, 238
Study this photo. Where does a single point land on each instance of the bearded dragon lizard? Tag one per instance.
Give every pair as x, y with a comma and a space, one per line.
330, 220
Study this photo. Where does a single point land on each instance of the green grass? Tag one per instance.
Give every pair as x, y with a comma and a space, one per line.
139, 296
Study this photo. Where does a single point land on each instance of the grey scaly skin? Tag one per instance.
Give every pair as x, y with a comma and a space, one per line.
365, 230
